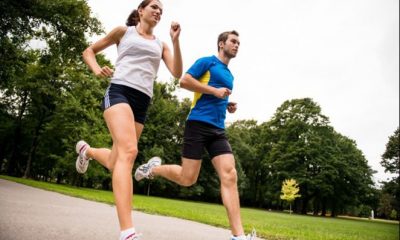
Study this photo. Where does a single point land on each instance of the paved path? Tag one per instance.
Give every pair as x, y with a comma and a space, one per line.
35, 214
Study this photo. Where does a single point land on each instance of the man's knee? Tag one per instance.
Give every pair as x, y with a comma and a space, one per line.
188, 181
229, 177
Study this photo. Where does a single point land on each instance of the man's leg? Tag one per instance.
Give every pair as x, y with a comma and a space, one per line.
184, 175
225, 167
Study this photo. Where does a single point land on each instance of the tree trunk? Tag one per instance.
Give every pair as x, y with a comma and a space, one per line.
304, 207
316, 206
148, 189
32, 150
12, 166
323, 210
333, 210
2, 154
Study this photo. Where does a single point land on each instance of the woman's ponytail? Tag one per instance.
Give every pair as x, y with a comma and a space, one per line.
133, 18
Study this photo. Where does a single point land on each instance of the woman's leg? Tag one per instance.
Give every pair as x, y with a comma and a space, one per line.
125, 133
101, 155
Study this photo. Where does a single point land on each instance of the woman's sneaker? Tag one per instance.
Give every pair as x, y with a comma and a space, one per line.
133, 236
82, 162
144, 170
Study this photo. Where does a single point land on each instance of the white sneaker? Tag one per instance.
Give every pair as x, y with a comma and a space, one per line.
251, 236
82, 162
144, 170
133, 236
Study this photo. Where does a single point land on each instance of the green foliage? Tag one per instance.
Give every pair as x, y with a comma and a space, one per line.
243, 137
41, 86
393, 214
49, 100
289, 190
269, 224
390, 161
391, 157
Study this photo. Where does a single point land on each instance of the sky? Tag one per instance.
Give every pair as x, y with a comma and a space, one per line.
344, 54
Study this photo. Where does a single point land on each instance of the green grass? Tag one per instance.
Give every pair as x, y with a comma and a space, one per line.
269, 225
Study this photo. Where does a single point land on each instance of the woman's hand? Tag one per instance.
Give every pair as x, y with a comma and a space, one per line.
104, 72
175, 31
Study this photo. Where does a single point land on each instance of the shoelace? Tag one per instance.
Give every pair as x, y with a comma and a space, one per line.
134, 236
82, 158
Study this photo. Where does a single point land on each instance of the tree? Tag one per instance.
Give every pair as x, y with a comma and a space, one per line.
163, 136
289, 190
391, 156
244, 137
298, 142
35, 80
391, 163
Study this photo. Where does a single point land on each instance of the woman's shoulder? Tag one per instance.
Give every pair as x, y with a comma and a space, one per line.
117, 33
120, 30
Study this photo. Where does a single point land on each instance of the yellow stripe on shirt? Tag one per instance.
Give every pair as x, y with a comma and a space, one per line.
203, 80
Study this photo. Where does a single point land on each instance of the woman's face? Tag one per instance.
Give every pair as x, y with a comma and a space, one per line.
152, 12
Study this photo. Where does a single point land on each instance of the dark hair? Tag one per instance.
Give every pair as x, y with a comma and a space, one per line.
134, 18
224, 36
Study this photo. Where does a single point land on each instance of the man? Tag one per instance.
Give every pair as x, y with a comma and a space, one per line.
212, 82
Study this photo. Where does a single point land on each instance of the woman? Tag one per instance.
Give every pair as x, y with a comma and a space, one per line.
127, 98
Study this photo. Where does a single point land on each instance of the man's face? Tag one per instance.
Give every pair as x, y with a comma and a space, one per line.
231, 46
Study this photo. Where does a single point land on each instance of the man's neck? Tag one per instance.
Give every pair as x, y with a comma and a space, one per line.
223, 58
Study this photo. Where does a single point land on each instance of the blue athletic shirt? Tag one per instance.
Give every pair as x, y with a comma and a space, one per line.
205, 107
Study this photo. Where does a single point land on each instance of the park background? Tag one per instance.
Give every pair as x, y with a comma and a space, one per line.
49, 100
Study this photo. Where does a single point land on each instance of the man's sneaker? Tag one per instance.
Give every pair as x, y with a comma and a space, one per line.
144, 170
251, 236
82, 162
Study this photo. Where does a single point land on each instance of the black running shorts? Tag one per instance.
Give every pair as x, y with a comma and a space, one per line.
199, 135
137, 100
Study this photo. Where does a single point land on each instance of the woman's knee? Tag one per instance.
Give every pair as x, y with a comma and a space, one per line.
127, 153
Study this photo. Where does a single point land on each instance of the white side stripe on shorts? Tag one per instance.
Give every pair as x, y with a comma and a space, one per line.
107, 98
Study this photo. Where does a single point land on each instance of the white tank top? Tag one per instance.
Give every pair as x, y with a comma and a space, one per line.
138, 61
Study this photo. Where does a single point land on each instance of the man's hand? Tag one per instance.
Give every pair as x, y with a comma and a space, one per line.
222, 92
232, 106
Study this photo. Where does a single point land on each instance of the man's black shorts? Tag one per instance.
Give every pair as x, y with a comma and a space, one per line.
199, 135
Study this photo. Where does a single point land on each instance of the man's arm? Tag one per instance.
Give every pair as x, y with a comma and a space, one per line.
190, 83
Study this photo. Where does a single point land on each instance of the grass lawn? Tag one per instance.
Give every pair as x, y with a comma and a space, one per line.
269, 225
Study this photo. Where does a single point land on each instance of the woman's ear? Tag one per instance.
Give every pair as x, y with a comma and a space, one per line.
140, 11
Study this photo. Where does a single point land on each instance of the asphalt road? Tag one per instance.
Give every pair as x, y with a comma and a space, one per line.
31, 213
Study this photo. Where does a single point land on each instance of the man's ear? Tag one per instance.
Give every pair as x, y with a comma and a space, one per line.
221, 44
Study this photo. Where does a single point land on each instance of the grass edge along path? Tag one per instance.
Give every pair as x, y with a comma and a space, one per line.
269, 225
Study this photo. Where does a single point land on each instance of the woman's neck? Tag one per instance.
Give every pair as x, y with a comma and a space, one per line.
144, 30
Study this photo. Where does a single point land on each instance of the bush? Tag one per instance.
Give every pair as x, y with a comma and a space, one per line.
393, 214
